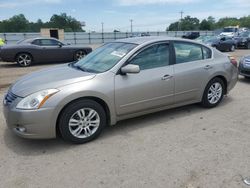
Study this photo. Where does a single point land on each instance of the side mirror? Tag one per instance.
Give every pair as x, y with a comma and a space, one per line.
131, 69
59, 45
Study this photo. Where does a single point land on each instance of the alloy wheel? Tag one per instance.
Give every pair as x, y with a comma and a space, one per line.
84, 123
214, 93
79, 55
24, 60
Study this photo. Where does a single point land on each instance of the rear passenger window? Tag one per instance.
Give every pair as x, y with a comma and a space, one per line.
206, 52
186, 52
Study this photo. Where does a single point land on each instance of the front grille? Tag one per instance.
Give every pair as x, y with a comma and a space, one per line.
10, 97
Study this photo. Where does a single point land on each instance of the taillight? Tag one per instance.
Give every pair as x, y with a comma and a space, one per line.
233, 61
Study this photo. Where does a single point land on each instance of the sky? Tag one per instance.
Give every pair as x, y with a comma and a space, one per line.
147, 15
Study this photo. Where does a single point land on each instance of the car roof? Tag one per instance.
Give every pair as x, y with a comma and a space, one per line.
149, 39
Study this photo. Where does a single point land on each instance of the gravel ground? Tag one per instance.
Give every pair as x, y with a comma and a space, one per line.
187, 147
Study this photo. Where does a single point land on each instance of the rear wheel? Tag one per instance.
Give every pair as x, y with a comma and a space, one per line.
213, 93
79, 54
82, 121
24, 59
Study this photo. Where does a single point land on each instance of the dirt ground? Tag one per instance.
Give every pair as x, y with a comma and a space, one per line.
187, 147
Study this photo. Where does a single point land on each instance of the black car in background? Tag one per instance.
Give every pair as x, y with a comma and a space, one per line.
244, 66
223, 43
191, 35
243, 40
34, 50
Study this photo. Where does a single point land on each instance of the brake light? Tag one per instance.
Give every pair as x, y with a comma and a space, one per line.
233, 61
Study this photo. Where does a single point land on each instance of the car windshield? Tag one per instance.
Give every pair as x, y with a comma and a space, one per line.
229, 29
210, 39
244, 34
104, 57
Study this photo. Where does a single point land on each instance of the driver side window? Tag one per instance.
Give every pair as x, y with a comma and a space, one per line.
152, 57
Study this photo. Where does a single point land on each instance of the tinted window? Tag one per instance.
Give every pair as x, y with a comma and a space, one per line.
152, 57
49, 42
206, 53
186, 52
36, 42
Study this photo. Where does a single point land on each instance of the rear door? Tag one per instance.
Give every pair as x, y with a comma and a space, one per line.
191, 71
152, 87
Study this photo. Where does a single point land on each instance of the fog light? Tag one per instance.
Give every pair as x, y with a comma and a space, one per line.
21, 129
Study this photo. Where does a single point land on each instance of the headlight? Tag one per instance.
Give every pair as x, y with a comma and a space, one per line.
36, 100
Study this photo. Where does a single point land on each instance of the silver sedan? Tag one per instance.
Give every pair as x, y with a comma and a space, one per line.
119, 80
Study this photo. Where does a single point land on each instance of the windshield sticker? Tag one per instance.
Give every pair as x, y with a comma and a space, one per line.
119, 54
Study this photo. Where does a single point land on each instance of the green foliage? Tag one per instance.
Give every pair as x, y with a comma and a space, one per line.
189, 23
19, 23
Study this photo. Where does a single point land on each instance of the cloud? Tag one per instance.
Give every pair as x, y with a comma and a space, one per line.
150, 2
16, 3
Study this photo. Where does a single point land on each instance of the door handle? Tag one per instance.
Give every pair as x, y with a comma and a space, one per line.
207, 67
166, 77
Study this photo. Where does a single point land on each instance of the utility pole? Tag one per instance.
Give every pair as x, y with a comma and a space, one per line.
179, 25
181, 12
102, 27
131, 25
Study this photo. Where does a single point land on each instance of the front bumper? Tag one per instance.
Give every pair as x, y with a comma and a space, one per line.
242, 44
244, 71
38, 124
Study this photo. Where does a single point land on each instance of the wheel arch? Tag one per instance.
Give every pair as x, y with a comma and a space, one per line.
24, 52
96, 99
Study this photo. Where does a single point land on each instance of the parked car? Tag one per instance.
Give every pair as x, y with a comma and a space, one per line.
244, 66
221, 43
243, 40
36, 50
230, 31
191, 35
119, 80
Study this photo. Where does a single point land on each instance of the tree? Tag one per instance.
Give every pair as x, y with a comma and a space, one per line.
207, 24
63, 21
173, 26
224, 22
17, 23
189, 23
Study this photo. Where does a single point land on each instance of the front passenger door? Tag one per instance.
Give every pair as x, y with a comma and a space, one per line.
151, 88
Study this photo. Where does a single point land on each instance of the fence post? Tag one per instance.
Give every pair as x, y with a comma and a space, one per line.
75, 37
5, 38
126, 34
115, 35
158, 33
24, 35
102, 37
175, 33
89, 39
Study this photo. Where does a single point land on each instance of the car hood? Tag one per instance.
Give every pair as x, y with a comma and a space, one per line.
49, 79
230, 34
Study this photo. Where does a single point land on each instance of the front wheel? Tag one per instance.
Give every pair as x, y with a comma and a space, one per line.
232, 49
213, 93
24, 59
82, 121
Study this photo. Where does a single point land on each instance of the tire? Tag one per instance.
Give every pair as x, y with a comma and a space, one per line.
69, 121
79, 54
24, 59
212, 98
232, 49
